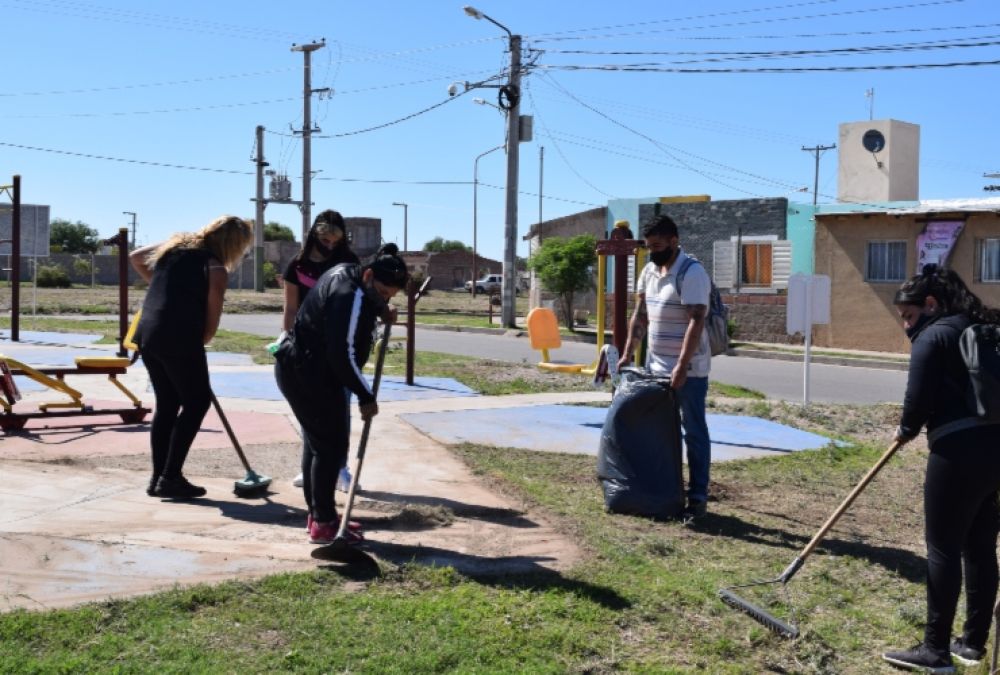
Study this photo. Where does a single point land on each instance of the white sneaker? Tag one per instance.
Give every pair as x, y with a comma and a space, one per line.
297, 481
344, 481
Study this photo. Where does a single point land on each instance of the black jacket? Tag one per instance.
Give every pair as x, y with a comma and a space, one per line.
938, 390
333, 332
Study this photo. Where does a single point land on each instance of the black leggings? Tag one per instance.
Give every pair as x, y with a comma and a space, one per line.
961, 516
323, 410
183, 394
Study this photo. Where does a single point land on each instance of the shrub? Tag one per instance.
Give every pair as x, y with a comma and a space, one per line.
52, 276
270, 275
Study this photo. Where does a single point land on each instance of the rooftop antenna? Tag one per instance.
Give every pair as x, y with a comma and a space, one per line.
870, 95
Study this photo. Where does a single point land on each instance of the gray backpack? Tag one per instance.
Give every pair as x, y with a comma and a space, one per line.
980, 347
717, 321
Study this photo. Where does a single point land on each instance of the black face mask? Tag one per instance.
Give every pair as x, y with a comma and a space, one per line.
322, 249
915, 329
661, 258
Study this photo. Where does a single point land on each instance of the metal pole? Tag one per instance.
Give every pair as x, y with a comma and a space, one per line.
122, 290
306, 206
258, 230
817, 150
15, 267
475, 213
510, 225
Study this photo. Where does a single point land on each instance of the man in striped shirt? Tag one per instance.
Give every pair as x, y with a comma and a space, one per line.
672, 313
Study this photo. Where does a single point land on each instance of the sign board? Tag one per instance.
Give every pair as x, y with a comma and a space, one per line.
808, 295
34, 230
934, 244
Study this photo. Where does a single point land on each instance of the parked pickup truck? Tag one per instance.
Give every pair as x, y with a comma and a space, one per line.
490, 284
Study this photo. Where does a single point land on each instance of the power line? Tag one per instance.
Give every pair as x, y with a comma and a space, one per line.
653, 68
221, 106
686, 29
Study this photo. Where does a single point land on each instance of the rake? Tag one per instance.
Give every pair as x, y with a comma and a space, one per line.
760, 614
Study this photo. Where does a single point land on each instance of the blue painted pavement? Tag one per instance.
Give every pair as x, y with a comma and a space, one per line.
577, 430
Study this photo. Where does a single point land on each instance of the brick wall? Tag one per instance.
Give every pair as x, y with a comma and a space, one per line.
702, 223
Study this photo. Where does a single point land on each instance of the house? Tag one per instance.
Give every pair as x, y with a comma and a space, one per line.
593, 222
868, 253
449, 269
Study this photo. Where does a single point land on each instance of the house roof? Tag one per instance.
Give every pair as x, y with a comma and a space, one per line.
925, 206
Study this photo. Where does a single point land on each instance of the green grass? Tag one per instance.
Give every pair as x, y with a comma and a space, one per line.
642, 599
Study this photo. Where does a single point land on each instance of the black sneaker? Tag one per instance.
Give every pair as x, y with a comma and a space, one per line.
151, 488
965, 653
921, 658
178, 488
695, 509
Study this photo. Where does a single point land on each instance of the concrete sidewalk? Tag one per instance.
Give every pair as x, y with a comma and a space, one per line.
77, 525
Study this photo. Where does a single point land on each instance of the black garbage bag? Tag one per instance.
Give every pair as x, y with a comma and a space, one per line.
639, 461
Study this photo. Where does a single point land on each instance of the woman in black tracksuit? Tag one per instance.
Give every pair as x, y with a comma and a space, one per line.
187, 276
325, 351
963, 468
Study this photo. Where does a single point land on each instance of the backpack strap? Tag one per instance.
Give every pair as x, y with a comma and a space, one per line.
679, 277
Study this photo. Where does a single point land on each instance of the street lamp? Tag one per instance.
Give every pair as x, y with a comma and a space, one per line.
131, 213
475, 211
406, 209
512, 92
483, 101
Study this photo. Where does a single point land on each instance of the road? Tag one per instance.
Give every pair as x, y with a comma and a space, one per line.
781, 380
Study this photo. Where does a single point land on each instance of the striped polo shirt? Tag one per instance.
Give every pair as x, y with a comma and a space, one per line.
668, 317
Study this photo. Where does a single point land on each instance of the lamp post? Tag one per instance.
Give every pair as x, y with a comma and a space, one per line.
475, 212
131, 213
512, 91
406, 209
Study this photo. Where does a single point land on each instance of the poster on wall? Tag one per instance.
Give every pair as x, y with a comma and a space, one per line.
934, 244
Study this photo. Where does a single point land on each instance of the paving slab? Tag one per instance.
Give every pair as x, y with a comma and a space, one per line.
577, 430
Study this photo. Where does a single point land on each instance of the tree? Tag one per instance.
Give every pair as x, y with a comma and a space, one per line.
439, 245
565, 267
70, 237
277, 232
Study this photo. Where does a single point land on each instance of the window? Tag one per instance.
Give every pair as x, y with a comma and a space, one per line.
885, 261
755, 269
989, 260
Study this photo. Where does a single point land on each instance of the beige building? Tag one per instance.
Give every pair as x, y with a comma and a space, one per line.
868, 254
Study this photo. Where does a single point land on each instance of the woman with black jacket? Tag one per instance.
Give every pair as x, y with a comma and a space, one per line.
321, 360
963, 469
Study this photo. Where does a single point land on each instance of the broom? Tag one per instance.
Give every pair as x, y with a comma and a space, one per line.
253, 483
760, 614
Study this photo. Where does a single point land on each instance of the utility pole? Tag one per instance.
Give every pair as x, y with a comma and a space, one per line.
513, 146
406, 220
817, 150
259, 204
307, 93
131, 213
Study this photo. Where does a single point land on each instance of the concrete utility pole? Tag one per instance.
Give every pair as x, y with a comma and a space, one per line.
307, 93
817, 150
513, 156
259, 204
131, 213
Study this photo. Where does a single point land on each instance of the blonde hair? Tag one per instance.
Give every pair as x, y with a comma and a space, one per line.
226, 238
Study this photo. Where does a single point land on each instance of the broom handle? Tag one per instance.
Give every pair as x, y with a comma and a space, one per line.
229, 430
363, 443
797, 563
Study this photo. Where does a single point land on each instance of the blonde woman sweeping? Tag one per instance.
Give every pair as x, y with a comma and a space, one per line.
187, 276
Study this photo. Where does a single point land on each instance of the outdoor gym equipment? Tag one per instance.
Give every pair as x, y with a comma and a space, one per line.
763, 616
54, 379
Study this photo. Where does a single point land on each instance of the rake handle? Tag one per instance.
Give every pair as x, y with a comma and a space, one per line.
363, 443
835, 516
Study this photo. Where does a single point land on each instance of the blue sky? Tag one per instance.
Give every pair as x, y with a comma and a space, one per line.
151, 107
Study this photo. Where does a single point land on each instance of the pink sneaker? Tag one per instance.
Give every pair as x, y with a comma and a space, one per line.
352, 525
326, 533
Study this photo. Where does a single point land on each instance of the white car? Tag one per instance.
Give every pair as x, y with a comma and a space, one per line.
491, 283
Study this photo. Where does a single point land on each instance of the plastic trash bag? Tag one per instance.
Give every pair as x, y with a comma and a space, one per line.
639, 462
